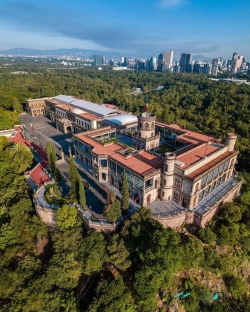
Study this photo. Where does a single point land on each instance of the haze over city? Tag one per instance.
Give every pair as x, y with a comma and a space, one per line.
134, 28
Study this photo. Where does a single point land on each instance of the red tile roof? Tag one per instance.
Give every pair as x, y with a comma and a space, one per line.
18, 138
38, 175
211, 164
188, 135
143, 163
196, 154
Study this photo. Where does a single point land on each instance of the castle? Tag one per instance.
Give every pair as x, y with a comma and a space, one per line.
181, 175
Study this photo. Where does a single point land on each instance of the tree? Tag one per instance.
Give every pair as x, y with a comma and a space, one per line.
113, 212
110, 295
51, 154
118, 253
73, 177
125, 192
93, 253
66, 217
207, 235
81, 193
57, 175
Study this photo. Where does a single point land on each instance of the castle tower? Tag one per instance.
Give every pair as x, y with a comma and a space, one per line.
146, 137
230, 142
168, 177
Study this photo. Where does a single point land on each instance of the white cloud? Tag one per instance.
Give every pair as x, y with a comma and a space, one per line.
171, 3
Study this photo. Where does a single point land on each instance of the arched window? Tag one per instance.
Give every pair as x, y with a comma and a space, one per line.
140, 125
152, 125
146, 126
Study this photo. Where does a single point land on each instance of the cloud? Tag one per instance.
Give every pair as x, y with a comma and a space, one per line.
171, 3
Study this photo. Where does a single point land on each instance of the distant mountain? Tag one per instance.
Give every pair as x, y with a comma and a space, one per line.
200, 57
84, 53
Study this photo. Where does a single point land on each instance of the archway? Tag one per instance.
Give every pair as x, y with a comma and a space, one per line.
148, 199
69, 129
104, 176
137, 198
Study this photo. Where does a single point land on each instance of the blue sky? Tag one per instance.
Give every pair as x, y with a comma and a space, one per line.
136, 28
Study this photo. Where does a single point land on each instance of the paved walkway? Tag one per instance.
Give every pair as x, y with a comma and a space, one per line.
44, 131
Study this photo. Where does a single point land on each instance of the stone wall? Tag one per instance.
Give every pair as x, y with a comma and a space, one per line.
48, 216
173, 222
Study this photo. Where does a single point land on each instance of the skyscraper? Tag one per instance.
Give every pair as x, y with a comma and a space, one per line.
186, 63
165, 61
99, 59
215, 64
152, 63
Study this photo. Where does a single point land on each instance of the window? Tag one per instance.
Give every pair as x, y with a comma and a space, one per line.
166, 167
201, 196
164, 182
103, 163
226, 165
221, 168
120, 170
138, 183
209, 176
162, 194
176, 196
112, 166
149, 183
197, 187
216, 170
152, 125
146, 126
212, 186
203, 180
177, 182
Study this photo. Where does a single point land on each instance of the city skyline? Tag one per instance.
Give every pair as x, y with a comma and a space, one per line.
134, 28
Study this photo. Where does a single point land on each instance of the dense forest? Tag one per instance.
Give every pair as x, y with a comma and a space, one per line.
144, 265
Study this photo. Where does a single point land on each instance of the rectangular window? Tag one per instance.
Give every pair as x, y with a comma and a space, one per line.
177, 182
216, 170
103, 163
112, 166
148, 183
130, 176
212, 186
203, 180
164, 182
120, 170
221, 168
209, 176
226, 165
138, 183
206, 192
201, 195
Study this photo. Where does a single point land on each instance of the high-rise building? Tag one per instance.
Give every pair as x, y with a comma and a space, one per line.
215, 64
165, 61
99, 59
197, 68
186, 63
152, 63
206, 69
